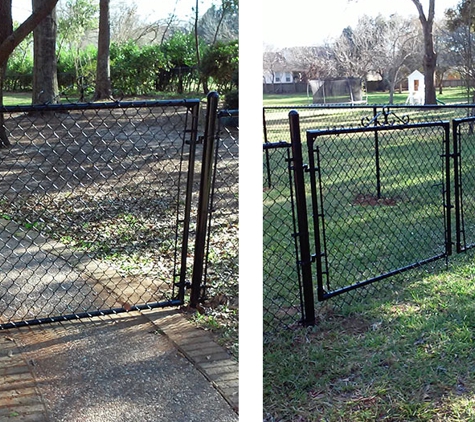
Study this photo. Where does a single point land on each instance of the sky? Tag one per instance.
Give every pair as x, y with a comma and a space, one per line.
151, 10
310, 22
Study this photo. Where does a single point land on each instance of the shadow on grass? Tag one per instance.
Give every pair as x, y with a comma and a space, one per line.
403, 352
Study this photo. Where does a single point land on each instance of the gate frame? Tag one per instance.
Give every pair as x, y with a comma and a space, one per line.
460, 241
306, 259
205, 185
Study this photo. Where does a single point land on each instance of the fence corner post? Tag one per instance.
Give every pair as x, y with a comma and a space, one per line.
305, 260
204, 198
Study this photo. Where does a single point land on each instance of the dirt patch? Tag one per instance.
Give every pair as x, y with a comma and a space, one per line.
373, 201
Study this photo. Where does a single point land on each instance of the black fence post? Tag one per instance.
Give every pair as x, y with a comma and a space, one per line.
204, 198
266, 140
376, 155
305, 260
195, 111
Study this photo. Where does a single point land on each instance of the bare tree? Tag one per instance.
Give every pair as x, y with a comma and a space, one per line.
273, 62
312, 62
358, 49
430, 56
220, 23
401, 44
126, 24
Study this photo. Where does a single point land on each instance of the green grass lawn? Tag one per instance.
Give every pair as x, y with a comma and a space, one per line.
403, 355
18, 98
449, 95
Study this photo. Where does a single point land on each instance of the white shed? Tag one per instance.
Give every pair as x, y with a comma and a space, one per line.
416, 88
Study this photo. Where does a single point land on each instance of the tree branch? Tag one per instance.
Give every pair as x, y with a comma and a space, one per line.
13, 40
418, 5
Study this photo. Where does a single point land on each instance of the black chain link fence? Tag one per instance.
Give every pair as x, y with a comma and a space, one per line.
378, 200
464, 152
282, 290
407, 183
221, 269
95, 206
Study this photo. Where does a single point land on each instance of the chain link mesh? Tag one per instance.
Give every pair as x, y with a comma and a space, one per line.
221, 268
92, 200
282, 291
466, 180
380, 213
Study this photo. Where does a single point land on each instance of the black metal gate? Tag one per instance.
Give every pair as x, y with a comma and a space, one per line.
464, 185
380, 203
98, 205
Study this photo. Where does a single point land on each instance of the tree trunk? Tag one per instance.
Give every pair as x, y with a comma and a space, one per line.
430, 57
45, 78
10, 39
6, 29
430, 62
202, 79
103, 88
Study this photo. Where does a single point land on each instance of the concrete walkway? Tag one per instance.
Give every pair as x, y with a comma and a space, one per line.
147, 367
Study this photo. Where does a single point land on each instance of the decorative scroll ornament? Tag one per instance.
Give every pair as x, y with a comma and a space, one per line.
385, 117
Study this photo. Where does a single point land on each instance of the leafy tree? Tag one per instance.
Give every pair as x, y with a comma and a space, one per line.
180, 53
20, 65
460, 27
462, 15
75, 19
220, 63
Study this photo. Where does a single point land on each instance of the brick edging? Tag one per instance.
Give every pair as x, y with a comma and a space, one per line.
212, 360
20, 398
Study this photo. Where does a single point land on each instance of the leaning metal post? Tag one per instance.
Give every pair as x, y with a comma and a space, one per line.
305, 261
204, 198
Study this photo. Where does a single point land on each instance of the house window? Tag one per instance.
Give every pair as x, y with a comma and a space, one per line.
287, 78
277, 78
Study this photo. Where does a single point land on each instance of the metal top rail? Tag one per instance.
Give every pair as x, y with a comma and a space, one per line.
100, 106
368, 106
